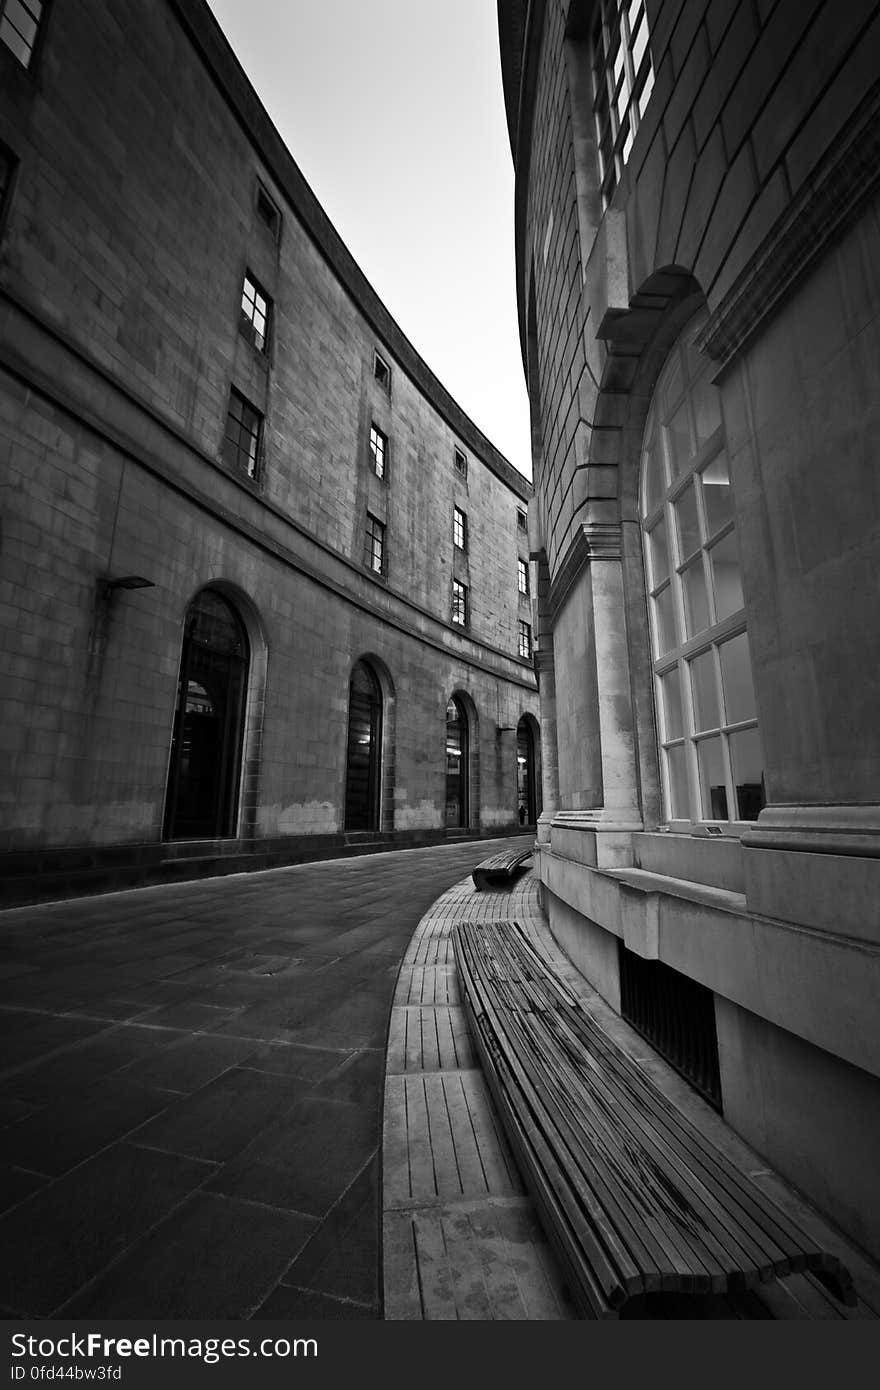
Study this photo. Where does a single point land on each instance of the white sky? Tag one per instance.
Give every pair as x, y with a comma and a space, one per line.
393, 111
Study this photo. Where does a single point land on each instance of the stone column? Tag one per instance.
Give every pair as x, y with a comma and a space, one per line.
546, 672
612, 822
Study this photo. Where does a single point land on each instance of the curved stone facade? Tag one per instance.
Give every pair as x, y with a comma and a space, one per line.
200, 389
698, 247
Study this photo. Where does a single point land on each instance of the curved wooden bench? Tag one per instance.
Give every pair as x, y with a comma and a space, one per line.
499, 868
633, 1197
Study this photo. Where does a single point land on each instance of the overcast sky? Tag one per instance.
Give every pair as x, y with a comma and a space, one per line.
393, 111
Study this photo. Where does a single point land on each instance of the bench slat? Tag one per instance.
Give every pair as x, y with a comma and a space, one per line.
635, 1198
610, 1263
775, 1225
722, 1235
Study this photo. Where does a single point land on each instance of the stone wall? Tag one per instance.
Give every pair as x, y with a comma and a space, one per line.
141, 153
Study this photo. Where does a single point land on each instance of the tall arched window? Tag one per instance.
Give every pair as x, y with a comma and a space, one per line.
206, 741
525, 774
363, 766
711, 759
457, 763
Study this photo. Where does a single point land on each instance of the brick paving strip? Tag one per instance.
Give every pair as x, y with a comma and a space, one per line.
461, 1239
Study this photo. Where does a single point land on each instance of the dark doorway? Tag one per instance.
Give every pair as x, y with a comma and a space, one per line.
362, 778
457, 764
526, 796
206, 740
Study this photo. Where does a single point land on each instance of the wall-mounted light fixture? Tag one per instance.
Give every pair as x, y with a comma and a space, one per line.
107, 587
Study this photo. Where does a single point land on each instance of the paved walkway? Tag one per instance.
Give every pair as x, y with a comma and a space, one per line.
191, 1088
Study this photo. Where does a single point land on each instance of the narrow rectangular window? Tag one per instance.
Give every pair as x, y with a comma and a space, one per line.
256, 308
522, 521
382, 372
460, 461
268, 212
241, 444
522, 575
374, 547
378, 450
623, 78
525, 640
459, 528
19, 23
459, 603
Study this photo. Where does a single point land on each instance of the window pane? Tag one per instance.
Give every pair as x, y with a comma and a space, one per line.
705, 689
655, 480
736, 677
659, 553
678, 440
707, 409
748, 773
670, 703
646, 91
725, 572
674, 385
688, 525
713, 792
696, 600
676, 769
716, 493
664, 621
639, 46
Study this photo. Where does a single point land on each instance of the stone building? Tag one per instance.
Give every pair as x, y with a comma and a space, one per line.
265, 586
698, 260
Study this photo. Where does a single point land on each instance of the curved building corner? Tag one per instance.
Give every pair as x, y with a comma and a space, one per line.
698, 243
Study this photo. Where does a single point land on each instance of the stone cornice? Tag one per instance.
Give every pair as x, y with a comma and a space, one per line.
846, 176
593, 540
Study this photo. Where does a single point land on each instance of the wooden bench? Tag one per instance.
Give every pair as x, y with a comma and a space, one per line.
500, 868
631, 1195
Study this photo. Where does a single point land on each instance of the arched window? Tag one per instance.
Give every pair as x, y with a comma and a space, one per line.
205, 765
525, 774
710, 748
363, 767
457, 763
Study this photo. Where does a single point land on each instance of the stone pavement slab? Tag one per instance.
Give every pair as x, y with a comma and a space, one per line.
190, 1089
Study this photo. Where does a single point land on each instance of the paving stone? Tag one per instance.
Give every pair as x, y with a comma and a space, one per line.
67, 1232
63, 1134
222, 1118
16, 1184
214, 1258
302, 1305
306, 1160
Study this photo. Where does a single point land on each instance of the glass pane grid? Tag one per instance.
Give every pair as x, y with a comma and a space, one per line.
622, 82
459, 603
242, 439
710, 751
377, 449
18, 27
375, 545
255, 309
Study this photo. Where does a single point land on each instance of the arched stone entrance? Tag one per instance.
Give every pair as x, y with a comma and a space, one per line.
205, 767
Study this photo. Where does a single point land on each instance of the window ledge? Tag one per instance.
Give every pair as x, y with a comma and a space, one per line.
645, 881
